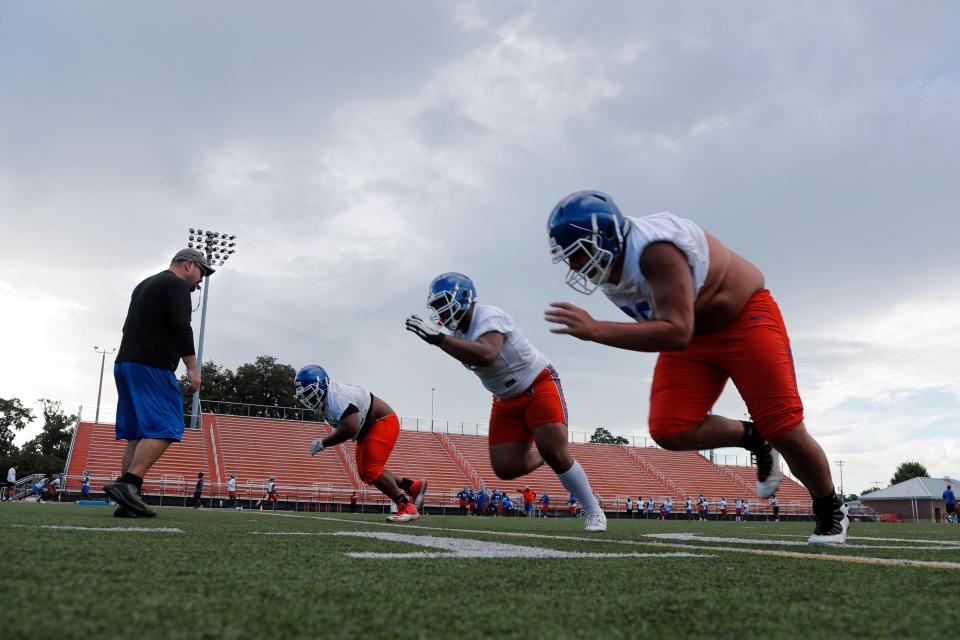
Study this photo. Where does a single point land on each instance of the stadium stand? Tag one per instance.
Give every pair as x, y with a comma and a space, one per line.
94, 448
257, 448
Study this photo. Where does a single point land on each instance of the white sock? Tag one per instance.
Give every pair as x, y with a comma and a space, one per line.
575, 481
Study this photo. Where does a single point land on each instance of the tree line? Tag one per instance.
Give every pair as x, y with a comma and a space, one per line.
45, 453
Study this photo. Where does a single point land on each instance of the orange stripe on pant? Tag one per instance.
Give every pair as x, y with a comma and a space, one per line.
376, 447
753, 351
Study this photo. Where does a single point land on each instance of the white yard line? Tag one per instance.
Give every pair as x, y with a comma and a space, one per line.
451, 547
892, 562
110, 529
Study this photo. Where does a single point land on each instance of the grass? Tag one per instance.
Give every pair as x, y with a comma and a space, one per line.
218, 580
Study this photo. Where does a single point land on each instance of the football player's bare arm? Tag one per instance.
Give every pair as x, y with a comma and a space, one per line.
666, 269
481, 352
348, 427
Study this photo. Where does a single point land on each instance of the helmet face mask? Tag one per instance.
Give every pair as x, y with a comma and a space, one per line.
594, 262
586, 231
311, 384
449, 299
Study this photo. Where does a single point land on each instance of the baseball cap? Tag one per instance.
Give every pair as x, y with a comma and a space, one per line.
196, 257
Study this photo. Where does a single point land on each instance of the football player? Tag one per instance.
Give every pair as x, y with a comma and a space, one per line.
528, 403
356, 414
704, 308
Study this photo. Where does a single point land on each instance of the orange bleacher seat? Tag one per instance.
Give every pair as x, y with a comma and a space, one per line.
258, 448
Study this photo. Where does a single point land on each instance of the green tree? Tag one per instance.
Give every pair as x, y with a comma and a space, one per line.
218, 384
13, 417
602, 436
909, 470
47, 452
265, 382
870, 490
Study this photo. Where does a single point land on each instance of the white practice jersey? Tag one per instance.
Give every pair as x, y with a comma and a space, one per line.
518, 364
723, 504
11, 475
339, 398
232, 484
271, 487
633, 293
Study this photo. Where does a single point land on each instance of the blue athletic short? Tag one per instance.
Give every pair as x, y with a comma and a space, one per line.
149, 403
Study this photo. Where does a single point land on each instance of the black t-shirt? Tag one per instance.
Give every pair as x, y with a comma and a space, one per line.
157, 330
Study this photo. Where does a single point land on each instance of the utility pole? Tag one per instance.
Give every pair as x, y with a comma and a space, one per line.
840, 464
433, 390
103, 360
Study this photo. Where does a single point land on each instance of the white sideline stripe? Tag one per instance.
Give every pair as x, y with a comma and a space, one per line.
697, 537
111, 529
466, 548
893, 562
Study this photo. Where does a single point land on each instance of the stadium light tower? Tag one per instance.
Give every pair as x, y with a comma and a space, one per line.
103, 360
218, 247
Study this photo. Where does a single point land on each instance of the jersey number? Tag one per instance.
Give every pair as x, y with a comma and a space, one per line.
641, 310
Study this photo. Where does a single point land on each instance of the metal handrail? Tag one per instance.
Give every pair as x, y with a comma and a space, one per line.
463, 463
656, 472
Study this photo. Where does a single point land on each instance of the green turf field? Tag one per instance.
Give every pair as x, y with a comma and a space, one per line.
228, 574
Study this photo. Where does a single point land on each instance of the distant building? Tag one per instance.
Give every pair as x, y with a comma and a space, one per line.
915, 500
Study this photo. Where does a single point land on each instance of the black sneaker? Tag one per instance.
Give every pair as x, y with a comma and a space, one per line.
123, 512
831, 521
126, 495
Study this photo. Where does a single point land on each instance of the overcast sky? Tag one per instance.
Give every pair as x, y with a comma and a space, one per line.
360, 148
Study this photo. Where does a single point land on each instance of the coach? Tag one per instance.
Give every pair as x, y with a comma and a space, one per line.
156, 336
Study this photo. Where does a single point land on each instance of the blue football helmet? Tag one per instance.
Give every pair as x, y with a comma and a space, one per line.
587, 226
449, 299
312, 383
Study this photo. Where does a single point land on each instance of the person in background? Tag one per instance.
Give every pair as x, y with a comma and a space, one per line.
529, 495
11, 486
198, 492
950, 502
629, 507
85, 485
544, 504
775, 507
479, 502
232, 492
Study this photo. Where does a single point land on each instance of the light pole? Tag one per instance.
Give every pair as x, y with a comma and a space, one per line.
840, 464
217, 247
103, 360
433, 390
